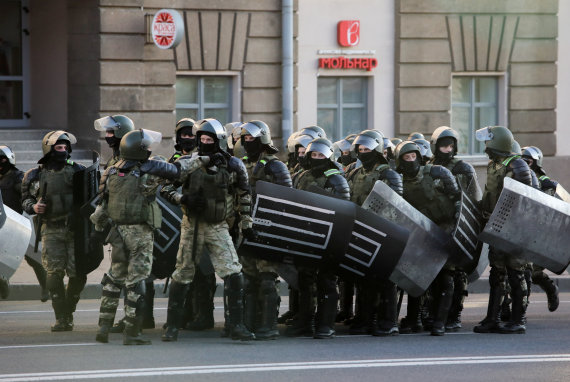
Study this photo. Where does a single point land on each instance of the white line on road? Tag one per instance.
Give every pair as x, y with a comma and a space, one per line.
286, 366
46, 346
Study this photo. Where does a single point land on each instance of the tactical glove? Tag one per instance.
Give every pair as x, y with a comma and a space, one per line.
250, 234
218, 159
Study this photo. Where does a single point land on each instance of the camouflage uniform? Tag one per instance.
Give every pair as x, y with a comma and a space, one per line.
58, 246
131, 238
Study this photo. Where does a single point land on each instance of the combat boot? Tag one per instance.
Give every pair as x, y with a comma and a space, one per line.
518, 293
233, 284
250, 298
103, 332
364, 319
148, 313
551, 289
293, 306
327, 304
72, 294
132, 334
491, 323
443, 298
453, 323
346, 296
57, 292
269, 308
387, 311
412, 323
303, 322
226, 329
175, 311
119, 327
203, 307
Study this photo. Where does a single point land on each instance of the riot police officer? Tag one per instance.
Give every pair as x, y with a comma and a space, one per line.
128, 210
47, 191
342, 151
325, 174
369, 145
261, 295
207, 199
11, 187
432, 190
498, 141
532, 155
444, 145
115, 128
185, 138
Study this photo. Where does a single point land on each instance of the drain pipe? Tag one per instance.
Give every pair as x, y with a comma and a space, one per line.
287, 70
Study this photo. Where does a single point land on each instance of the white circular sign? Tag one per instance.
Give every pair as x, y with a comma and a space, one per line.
167, 28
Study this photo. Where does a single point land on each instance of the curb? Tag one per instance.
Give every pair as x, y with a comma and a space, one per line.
23, 292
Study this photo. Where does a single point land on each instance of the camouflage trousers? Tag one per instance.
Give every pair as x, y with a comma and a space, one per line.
503, 260
131, 263
252, 267
58, 250
218, 242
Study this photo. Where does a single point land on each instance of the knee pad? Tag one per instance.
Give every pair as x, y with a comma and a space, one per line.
54, 283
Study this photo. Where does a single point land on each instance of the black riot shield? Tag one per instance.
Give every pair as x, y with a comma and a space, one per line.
427, 249
466, 247
304, 228
88, 255
167, 239
531, 225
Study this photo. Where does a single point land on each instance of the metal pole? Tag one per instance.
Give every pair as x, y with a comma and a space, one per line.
287, 73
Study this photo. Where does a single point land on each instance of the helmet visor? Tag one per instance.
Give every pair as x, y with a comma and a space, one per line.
303, 140
251, 129
150, 139
343, 145
484, 134
320, 148
106, 123
366, 141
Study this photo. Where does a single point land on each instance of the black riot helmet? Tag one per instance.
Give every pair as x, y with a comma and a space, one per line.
259, 130
138, 144
438, 138
371, 139
415, 135
214, 129
404, 148
186, 126
534, 153
425, 150
498, 139
345, 144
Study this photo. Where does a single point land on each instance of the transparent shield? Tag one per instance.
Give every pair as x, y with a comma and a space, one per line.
151, 139
251, 129
106, 123
484, 134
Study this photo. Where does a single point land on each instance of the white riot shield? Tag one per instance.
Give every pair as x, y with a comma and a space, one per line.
15, 235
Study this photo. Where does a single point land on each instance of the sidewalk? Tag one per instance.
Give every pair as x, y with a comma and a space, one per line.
24, 285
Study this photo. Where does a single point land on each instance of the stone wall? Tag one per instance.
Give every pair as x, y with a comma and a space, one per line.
438, 37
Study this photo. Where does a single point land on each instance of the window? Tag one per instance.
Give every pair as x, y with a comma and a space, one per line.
204, 97
474, 104
13, 67
342, 105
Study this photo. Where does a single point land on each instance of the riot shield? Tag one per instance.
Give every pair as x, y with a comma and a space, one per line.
466, 248
426, 250
304, 228
562, 194
167, 239
35, 256
530, 224
88, 255
15, 232
482, 264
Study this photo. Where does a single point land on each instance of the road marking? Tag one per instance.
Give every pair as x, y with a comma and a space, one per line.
285, 366
47, 345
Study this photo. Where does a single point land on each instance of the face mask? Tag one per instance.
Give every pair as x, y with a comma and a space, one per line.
59, 156
4, 167
113, 142
318, 166
345, 160
304, 162
368, 159
206, 148
186, 144
444, 156
252, 148
410, 168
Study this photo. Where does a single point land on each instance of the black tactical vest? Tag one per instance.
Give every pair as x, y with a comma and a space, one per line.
59, 190
217, 189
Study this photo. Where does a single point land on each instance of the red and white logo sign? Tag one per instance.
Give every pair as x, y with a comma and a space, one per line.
348, 32
167, 28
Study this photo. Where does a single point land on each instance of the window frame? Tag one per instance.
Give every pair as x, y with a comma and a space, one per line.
340, 105
24, 78
501, 105
234, 100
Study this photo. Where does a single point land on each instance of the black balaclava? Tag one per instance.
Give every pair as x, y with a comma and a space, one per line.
319, 166
185, 144
368, 159
410, 169
5, 165
208, 149
444, 157
253, 148
495, 155
345, 160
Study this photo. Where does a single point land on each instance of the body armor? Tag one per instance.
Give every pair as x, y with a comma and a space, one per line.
331, 181
268, 168
10, 186
422, 193
496, 173
127, 203
362, 181
216, 188
59, 190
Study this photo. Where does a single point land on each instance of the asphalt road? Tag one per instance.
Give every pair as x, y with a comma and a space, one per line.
29, 351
